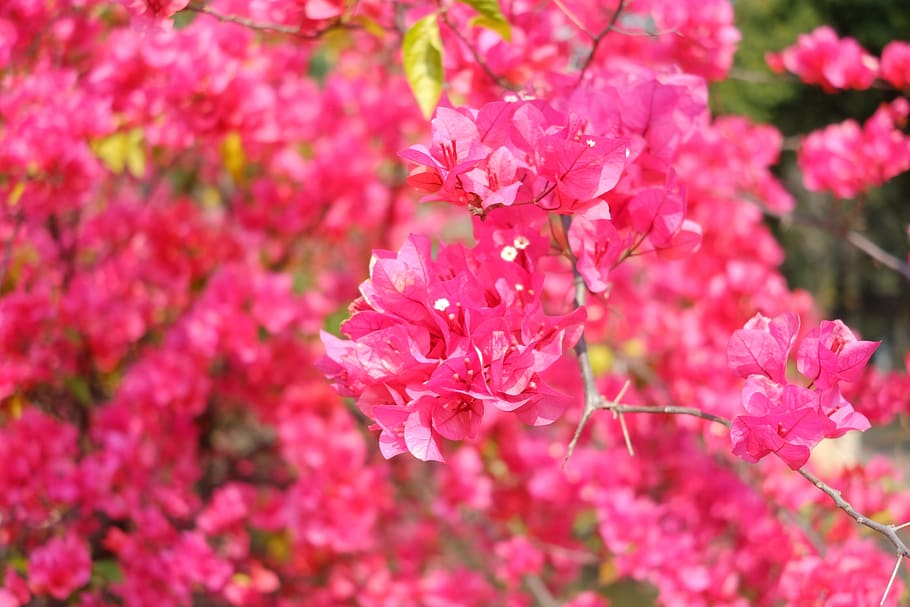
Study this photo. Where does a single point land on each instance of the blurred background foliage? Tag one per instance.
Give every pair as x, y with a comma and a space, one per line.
847, 284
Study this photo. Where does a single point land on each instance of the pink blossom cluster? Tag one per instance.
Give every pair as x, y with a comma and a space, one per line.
696, 37
847, 159
565, 155
784, 417
896, 64
823, 58
516, 153
467, 330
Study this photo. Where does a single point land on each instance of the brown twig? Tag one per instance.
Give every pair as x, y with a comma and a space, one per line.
499, 80
853, 237
878, 254
572, 17
8, 249
665, 410
889, 531
540, 591
596, 40
856, 239
593, 399
278, 28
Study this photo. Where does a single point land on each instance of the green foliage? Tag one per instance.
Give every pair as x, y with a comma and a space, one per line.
422, 59
491, 17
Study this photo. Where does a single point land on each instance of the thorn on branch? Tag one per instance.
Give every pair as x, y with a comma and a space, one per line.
897, 566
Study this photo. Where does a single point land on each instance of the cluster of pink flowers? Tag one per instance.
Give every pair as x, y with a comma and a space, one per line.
785, 417
433, 342
848, 159
834, 63
566, 155
823, 58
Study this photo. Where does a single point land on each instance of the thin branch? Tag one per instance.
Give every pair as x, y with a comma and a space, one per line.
8, 249
499, 80
593, 399
667, 410
572, 17
889, 531
596, 40
878, 254
278, 28
540, 591
622, 420
853, 237
897, 566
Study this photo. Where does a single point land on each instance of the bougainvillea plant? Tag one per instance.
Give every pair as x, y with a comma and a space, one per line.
326, 303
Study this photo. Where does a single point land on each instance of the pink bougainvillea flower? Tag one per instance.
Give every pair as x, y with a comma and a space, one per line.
59, 567
154, 8
762, 346
896, 64
787, 418
831, 353
434, 341
848, 159
822, 58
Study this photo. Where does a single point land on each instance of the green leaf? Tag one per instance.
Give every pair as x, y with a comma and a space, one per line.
106, 571
500, 27
233, 156
491, 17
79, 388
122, 151
422, 56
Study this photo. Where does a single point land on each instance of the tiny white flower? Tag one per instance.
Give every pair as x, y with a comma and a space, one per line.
521, 242
509, 253
590, 143
441, 304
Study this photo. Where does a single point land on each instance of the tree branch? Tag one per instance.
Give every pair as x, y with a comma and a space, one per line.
666, 410
279, 28
878, 254
499, 80
889, 531
853, 237
8, 249
596, 40
540, 591
593, 399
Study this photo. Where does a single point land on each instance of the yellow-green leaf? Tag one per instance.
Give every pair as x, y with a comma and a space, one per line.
500, 27
122, 151
491, 17
16, 193
233, 157
601, 358
422, 57
370, 26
